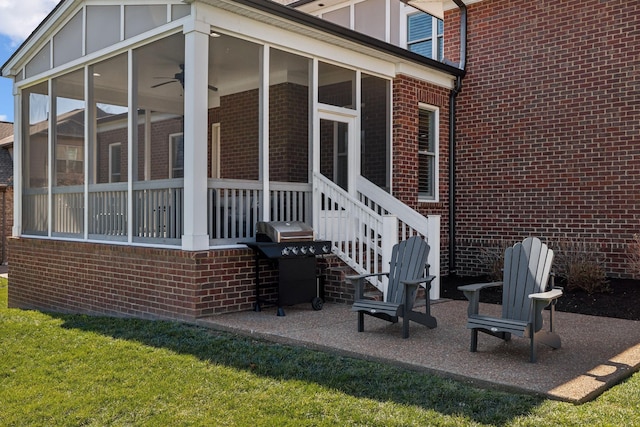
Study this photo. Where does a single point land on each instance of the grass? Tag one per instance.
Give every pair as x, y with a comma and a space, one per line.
73, 370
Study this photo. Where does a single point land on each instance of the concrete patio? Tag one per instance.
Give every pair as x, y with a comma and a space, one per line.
596, 353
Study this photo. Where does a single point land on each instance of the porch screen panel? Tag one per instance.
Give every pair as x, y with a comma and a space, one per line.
35, 159
374, 133
289, 98
68, 151
234, 105
67, 44
103, 27
158, 190
336, 85
141, 18
108, 150
370, 18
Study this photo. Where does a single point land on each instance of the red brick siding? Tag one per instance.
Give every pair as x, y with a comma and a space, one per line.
95, 278
6, 216
548, 135
239, 131
288, 133
407, 94
129, 281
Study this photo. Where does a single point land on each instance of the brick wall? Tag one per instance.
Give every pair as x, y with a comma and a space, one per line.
6, 218
407, 94
548, 132
103, 279
239, 131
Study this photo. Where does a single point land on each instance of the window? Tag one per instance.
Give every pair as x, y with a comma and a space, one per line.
425, 35
69, 159
114, 162
427, 153
176, 155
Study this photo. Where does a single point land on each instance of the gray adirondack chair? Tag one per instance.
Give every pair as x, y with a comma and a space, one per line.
408, 270
527, 269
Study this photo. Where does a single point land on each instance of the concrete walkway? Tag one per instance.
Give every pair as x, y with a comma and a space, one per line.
596, 352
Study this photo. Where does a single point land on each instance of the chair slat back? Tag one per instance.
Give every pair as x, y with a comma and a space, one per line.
527, 266
408, 261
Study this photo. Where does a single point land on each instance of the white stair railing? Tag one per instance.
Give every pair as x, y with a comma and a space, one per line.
364, 229
357, 232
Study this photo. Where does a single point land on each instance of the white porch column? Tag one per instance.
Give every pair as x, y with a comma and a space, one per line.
196, 69
21, 116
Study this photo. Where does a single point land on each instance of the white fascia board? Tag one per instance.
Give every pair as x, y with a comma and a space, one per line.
291, 37
427, 74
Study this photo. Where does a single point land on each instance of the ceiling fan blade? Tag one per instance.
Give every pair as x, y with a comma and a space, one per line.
162, 84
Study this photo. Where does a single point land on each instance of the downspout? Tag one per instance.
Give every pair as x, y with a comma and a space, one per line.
452, 137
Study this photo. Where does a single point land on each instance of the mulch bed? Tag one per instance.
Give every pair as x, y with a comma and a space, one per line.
622, 301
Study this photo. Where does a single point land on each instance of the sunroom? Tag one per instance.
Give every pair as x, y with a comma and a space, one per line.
179, 125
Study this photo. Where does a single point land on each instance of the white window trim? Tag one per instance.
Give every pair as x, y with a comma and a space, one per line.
436, 148
111, 146
171, 142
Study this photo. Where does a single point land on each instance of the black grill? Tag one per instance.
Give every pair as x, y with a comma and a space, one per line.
291, 248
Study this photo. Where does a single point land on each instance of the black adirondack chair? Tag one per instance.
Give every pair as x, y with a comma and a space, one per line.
408, 270
527, 269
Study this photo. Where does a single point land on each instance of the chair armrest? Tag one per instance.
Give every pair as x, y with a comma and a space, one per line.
425, 280
472, 293
364, 276
478, 286
358, 283
547, 296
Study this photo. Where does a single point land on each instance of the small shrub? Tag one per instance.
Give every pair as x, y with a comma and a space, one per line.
580, 265
634, 255
492, 259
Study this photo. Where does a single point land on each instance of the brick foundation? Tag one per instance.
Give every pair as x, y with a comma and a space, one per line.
102, 279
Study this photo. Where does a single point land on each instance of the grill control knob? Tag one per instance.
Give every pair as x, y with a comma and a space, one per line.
294, 250
312, 249
325, 249
303, 250
285, 251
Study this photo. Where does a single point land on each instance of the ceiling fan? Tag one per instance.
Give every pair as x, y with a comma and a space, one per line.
178, 78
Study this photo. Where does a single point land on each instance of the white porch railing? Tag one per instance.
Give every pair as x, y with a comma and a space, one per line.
363, 232
235, 206
158, 211
108, 210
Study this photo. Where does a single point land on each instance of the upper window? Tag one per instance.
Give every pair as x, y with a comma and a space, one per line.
425, 35
427, 154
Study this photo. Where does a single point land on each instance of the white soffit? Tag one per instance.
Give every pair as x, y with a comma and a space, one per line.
436, 7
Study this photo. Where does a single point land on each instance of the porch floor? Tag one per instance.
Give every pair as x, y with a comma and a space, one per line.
596, 353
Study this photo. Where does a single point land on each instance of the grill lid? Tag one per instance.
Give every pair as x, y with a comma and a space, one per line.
283, 231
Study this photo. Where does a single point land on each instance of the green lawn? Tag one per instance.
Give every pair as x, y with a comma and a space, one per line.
80, 370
